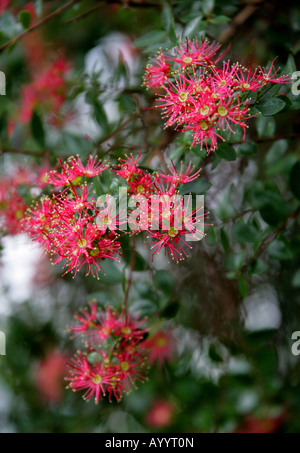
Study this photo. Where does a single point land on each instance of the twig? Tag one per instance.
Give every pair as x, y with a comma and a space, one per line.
38, 24
23, 151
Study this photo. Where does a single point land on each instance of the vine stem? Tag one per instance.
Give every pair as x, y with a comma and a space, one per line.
130, 278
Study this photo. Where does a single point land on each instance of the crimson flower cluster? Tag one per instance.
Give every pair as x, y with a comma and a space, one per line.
65, 224
201, 95
168, 220
74, 228
116, 355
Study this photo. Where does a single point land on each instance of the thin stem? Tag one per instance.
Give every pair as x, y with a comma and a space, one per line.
28, 152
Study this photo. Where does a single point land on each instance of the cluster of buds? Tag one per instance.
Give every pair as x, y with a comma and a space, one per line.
117, 353
198, 94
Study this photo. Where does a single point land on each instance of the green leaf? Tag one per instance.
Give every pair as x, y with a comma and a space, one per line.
100, 117
168, 21
171, 310
25, 18
273, 214
291, 65
295, 180
287, 101
225, 208
276, 151
282, 165
265, 126
243, 232
246, 149
140, 263
211, 237
280, 250
270, 106
37, 129
113, 275
260, 195
164, 281
195, 28
199, 187
235, 261
214, 355
296, 279
153, 37
224, 240
216, 162
243, 286
207, 6
257, 267
226, 152
219, 20
143, 307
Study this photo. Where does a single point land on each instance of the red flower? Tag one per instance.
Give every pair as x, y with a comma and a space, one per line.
161, 414
47, 90
49, 376
116, 340
160, 346
92, 378
4, 5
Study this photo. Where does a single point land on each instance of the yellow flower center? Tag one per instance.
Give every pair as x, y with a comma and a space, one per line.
81, 243
183, 96
95, 251
172, 232
78, 206
246, 86
76, 181
203, 125
161, 341
222, 111
107, 220
140, 189
18, 214
126, 330
204, 110
124, 366
187, 60
97, 379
